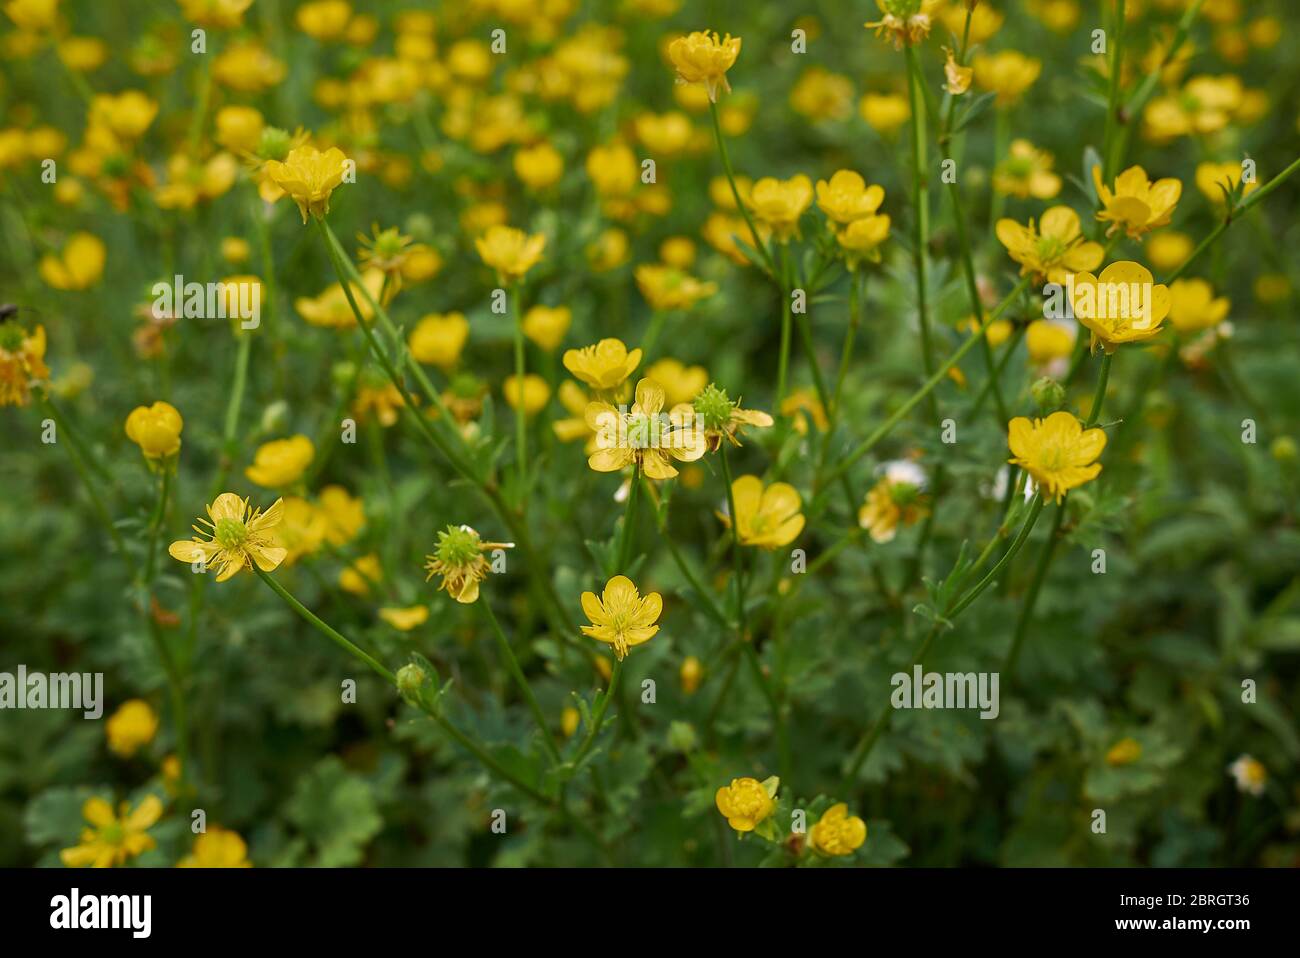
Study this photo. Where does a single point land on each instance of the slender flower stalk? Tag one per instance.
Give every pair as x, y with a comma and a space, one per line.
521, 681
521, 417
755, 239
1109, 149
921, 206
599, 715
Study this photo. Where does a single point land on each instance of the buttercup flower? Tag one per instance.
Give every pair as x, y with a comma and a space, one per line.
602, 366
217, 848
691, 674
765, 517
896, 499
1008, 74
1193, 306
667, 287
838, 832
704, 58
1026, 171
132, 726
113, 839
22, 362
509, 251
155, 429
642, 437
221, 14
885, 112
621, 617
438, 339
532, 397
904, 21
79, 266
309, 177
720, 417
1137, 206
238, 538
1213, 178
1057, 452
281, 462
324, 19
747, 801
681, 383
1123, 305
778, 204
1053, 249
846, 197
861, 239
34, 15
344, 514
546, 325
539, 166
458, 558
358, 577
405, 618
301, 530
1249, 774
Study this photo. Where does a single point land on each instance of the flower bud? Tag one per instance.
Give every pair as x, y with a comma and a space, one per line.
1284, 449
1048, 394
410, 680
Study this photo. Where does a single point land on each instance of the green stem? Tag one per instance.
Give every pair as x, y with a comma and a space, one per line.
1108, 150
521, 419
325, 629
921, 203
512, 666
627, 537
759, 245
601, 707
783, 361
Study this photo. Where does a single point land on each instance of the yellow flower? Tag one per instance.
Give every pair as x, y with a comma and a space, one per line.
239, 128
621, 617
112, 838
79, 266
691, 674
217, 848
778, 204
1213, 178
539, 166
438, 339
1124, 752
719, 417
33, 15
1048, 340
665, 134
509, 251
404, 619
958, 76
602, 366
896, 499
546, 325
344, 514
22, 362
667, 287
819, 94
1137, 206
803, 406
1169, 249
281, 462
704, 58
681, 383
155, 429
361, 574
133, 725
861, 239
235, 250
678, 251
222, 14
613, 169
239, 538
1027, 171
984, 20
127, 114
1008, 74
906, 22
248, 67
422, 263
324, 19
1123, 305
838, 832
846, 198
535, 396
569, 719
458, 558
1057, 451
309, 177
885, 112
1193, 306
575, 400
642, 437
765, 517
331, 308
1053, 249
747, 801
83, 54
301, 530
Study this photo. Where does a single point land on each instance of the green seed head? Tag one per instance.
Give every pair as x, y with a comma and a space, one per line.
714, 408
457, 546
275, 144
230, 533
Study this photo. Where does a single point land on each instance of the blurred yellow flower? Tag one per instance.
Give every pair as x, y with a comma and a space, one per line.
509, 251
79, 266
1057, 452
681, 383
546, 325
131, 727
324, 19
778, 204
1193, 306
885, 112
691, 674
535, 393
569, 720
667, 287
344, 514
127, 114
281, 462
239, 128
1008, 74
22, 362
331, 308
1169, 249
1124, 752
34, 15
438, 339
1026, 172
621, 617
539, 166
357, 578
220, 14
1213, 178
603, 366
405, 618
217, 848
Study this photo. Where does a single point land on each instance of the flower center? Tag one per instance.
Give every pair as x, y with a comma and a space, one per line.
231, 533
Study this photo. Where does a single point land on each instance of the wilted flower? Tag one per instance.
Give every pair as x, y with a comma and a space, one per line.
458, 558
642, 436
